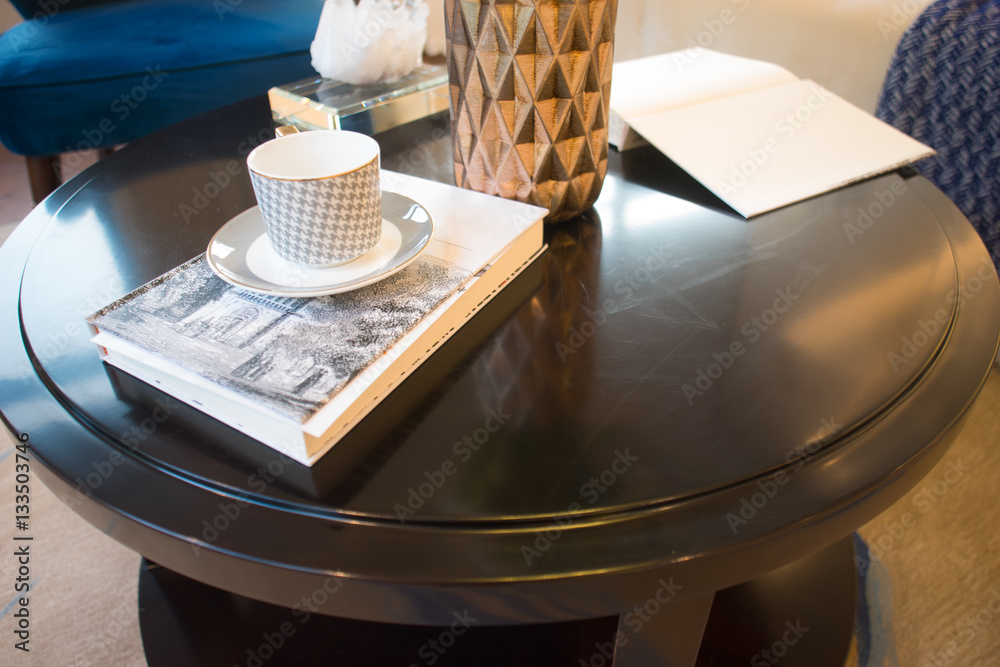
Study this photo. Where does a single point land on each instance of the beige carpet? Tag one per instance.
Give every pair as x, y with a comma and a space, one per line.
940, 545
82, 603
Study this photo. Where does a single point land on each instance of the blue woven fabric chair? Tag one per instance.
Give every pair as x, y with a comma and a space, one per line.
92, 74
943, 88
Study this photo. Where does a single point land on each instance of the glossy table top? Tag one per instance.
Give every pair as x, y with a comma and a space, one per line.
666, 361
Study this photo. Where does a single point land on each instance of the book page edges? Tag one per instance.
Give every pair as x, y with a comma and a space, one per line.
356, 389
317, 446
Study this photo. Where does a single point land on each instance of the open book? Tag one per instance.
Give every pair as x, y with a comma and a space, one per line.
298, 373
750, 131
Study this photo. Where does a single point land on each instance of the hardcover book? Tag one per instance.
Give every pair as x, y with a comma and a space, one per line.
298, 373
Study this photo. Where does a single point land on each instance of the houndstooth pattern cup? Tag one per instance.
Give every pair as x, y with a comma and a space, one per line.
319, 195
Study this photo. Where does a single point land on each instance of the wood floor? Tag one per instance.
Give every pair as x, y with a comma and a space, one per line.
15, 196
15, 193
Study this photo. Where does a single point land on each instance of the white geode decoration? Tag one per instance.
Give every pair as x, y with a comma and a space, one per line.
373, 41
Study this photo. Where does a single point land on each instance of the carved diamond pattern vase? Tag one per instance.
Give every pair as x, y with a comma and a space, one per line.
530, 82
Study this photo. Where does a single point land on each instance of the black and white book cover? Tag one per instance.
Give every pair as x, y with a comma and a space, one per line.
290, 354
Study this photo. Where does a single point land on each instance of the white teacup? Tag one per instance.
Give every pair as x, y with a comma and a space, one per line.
319, 195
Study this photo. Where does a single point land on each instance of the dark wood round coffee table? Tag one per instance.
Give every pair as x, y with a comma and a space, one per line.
676, 401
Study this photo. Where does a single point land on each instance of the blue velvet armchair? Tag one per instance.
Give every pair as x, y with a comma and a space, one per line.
93, 74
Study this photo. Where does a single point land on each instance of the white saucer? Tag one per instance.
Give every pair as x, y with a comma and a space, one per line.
241, 254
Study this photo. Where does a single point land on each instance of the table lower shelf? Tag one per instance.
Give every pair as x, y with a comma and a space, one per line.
801, 614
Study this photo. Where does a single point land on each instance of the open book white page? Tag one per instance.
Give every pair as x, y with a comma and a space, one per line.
681, 78
760, 143
763, 150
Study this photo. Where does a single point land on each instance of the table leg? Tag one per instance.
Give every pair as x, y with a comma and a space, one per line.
800, 615
660, 635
